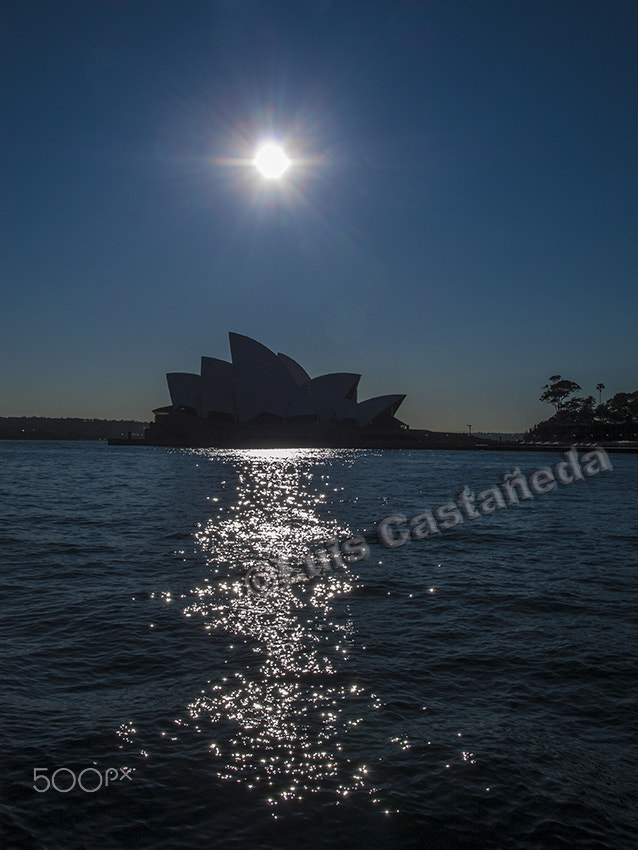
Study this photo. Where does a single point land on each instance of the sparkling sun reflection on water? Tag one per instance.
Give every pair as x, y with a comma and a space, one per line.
278, 718
499, 653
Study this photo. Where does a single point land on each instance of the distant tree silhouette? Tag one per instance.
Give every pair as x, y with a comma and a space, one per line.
44, 428
580, 418
557, 391
622, 409
600, 388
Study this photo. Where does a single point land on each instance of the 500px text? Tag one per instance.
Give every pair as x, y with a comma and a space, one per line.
111, 774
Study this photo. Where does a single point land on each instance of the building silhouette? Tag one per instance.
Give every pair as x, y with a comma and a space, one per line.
262, 398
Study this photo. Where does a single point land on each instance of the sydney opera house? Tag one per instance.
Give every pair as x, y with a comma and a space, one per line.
263, 399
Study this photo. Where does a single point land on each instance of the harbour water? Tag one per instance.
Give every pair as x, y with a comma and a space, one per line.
477, 688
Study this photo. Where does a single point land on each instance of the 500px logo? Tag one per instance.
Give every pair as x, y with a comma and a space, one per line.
90, 785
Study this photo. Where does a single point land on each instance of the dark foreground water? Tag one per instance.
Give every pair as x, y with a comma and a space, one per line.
475, 689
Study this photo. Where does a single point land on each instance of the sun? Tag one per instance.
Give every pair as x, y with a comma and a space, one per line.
271, 161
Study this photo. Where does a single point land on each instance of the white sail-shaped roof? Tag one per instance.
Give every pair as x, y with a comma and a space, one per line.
298, 372
263, 382
260, 382
373, 408
329, 394
184, 388
217, 390
300, 403
346, 408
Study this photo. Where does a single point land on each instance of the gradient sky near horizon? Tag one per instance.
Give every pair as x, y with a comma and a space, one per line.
459, 223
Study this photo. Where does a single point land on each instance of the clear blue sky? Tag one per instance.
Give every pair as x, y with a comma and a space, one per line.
463, 224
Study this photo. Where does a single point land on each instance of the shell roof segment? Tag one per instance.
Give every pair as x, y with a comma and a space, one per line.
259, 382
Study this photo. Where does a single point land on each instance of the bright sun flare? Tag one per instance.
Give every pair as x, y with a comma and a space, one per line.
271, 161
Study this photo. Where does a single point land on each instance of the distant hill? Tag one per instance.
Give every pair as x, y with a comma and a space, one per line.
44, 428
501, 436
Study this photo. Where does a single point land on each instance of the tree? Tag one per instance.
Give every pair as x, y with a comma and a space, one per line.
579, 409
600, 388
622, 411
578, 418
558, 391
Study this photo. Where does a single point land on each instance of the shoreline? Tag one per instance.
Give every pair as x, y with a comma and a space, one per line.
403, 446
